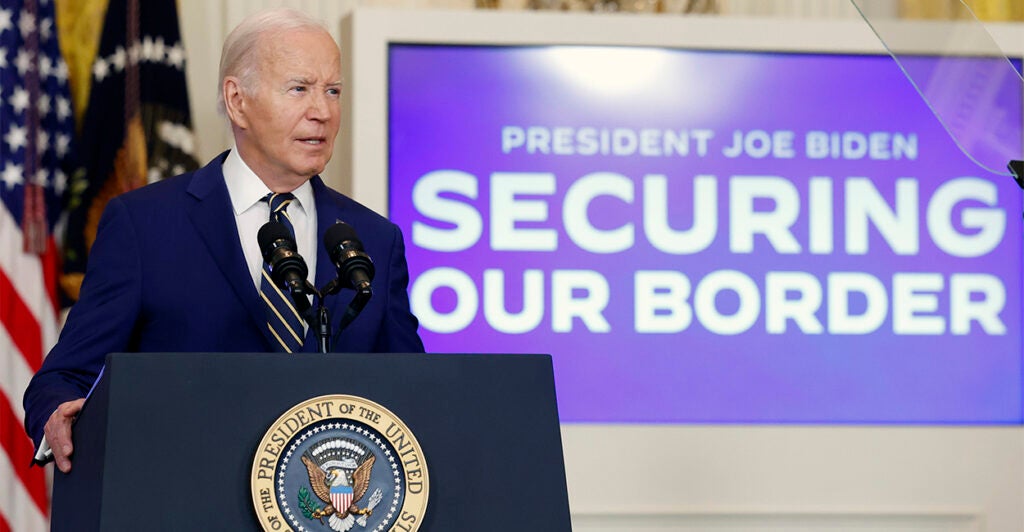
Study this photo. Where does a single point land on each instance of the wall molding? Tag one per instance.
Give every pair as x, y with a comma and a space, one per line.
774, 520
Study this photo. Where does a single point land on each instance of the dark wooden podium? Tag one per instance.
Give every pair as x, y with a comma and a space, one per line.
166, 441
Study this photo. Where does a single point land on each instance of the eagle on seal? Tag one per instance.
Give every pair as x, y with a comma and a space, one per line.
333, 487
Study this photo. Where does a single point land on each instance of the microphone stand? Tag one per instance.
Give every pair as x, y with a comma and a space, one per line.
321, 321
323, 328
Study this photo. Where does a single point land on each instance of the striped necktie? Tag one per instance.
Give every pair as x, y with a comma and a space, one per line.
283, 320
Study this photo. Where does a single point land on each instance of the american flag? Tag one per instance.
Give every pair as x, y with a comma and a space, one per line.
137, 126
36, 130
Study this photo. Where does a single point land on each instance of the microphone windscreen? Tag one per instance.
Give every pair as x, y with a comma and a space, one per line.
272, 232
338, 233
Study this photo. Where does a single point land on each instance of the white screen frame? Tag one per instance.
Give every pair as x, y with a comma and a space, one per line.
708, 477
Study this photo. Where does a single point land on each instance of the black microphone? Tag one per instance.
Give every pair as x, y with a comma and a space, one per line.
287, 268
355, 269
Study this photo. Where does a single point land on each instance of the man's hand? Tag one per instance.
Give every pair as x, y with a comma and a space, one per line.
58, 432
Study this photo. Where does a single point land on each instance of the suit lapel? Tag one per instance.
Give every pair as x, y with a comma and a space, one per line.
212, 215
327, 213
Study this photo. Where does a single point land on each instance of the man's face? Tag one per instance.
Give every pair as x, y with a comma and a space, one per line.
290, 118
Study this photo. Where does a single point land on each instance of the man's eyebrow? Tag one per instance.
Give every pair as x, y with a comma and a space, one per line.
307, 81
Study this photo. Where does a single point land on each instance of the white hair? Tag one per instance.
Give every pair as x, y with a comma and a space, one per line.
242, 51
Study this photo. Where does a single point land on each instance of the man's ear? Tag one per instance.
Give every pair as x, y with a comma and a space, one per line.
234, 101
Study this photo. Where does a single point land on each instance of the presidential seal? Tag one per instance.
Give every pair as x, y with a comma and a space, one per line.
338, 463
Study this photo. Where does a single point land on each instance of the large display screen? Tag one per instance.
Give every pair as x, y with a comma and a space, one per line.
708, 236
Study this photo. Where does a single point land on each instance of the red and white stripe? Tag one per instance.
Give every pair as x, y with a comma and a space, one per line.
341, 501
28, 328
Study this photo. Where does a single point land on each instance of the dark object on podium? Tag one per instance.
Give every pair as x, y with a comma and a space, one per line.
166, 441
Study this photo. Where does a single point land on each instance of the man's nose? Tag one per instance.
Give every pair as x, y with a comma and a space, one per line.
319, 107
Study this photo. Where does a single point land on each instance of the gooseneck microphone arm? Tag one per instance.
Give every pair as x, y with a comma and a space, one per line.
360, 300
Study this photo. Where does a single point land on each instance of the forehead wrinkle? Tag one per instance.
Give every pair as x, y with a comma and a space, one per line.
284, 63
277, 45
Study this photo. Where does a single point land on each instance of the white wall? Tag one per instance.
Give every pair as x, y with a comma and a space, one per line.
692, 477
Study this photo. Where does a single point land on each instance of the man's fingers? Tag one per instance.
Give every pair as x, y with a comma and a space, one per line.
72, 408
58, 432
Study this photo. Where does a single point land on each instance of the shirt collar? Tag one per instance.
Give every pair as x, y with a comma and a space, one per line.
246, 189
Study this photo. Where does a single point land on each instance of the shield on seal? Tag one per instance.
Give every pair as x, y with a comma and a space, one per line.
341, 498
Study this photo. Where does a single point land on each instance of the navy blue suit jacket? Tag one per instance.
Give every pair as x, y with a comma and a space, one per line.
167, 274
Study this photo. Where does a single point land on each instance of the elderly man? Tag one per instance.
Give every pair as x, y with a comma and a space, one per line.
176, 266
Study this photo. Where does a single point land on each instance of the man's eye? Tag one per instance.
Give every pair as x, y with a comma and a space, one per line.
299, 89
334, 92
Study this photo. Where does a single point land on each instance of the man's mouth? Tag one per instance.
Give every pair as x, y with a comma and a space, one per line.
313, 141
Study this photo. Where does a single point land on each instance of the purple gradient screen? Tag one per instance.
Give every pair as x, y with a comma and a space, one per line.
708, 237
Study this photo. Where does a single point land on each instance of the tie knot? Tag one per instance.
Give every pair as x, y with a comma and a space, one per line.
278, 203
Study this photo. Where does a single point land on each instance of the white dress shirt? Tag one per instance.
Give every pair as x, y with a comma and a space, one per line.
246, 190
